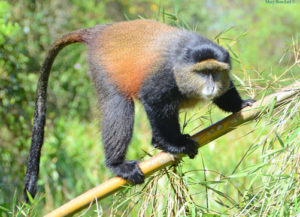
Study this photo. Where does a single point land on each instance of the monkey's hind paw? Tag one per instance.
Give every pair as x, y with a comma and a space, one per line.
129, 170
247, 102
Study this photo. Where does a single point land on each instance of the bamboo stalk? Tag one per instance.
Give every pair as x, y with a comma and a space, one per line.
163, 159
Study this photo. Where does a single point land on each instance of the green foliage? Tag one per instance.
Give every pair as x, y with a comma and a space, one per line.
15, 102
251, 171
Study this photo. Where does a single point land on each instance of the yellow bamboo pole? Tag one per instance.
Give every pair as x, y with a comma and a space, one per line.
163, 159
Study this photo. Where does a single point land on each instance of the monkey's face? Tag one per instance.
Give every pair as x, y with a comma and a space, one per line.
204, 80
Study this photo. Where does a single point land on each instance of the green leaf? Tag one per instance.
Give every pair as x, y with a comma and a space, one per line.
296, 132
232, 51
280, 140
4, 209
212, 182
272, 106
31, 200
272, 152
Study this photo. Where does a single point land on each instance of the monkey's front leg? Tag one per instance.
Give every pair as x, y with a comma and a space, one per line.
166, 133
231, 101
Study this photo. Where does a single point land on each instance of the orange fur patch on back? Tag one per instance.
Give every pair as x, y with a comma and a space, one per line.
129, 51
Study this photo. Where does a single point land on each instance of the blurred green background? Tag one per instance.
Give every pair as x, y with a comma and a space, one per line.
262, 38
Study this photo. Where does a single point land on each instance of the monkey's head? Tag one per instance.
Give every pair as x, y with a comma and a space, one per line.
206, 73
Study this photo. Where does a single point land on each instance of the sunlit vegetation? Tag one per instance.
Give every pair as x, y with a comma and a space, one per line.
252, 171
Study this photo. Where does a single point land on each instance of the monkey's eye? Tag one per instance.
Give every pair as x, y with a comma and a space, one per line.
210, 74
202, 73
205, 75
205, 72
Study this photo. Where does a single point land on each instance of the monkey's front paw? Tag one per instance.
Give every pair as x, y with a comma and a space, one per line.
247, 102
183, 145
128, 170
190, 147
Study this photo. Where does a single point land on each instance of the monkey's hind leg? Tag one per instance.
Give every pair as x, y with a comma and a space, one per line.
117, 127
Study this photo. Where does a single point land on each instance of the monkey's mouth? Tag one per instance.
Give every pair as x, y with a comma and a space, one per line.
210, 92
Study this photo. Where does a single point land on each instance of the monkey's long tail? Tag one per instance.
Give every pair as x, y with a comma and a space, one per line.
40, 109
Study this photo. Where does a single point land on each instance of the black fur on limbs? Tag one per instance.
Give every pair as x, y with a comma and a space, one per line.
189, 67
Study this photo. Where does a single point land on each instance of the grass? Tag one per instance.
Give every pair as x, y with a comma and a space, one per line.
252, 171
259, 177
262, 181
